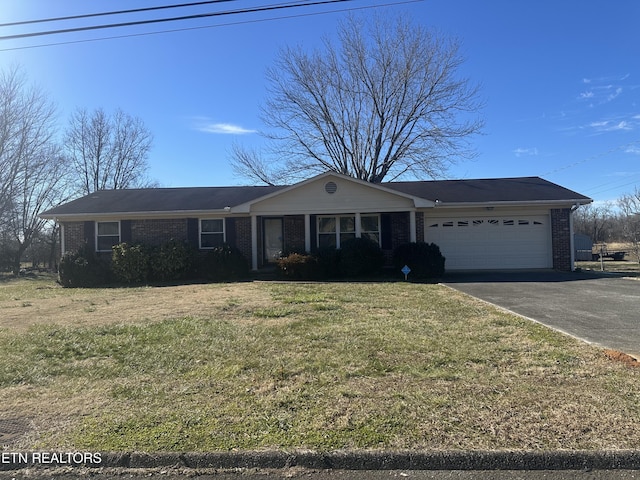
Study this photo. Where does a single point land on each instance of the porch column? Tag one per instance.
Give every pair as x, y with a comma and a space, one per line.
358, 225
412, 226
254, 242
307, 232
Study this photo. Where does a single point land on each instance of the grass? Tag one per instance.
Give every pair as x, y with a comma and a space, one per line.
293, 365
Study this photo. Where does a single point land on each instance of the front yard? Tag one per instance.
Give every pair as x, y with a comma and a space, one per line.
323, 366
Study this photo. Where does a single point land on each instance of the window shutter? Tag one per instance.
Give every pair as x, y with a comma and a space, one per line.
386, 234
230, 231
192, 232
90, 235
125, 231
313, 233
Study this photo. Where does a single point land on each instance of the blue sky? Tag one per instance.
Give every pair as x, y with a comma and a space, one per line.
560, 79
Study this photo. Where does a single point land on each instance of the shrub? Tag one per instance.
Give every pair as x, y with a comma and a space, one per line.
171, 261
424, 259
327, 263
82, 269
298, 266
224, 263
360, 257
130, 263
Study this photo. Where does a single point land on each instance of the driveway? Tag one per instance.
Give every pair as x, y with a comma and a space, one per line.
603, 310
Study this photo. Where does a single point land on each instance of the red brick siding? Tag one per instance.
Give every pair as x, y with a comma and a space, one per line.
561, 239
73, 236
419, 226
243, 236
400, 227
157, 232
294, 233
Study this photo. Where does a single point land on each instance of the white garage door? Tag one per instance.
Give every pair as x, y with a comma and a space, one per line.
484, 243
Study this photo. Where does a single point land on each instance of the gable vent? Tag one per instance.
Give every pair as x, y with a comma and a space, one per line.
330, 187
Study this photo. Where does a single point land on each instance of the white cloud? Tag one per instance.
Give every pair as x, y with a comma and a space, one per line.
613, 95
224, 128
525, 152
586, 95
633, 149
206, 125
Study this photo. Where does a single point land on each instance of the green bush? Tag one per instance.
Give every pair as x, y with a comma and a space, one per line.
171, 261
424, 259
130, 263
223, 263
360, 257
82, 269
327, 263
298, 266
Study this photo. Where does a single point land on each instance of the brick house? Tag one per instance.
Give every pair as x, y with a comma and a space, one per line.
502, 223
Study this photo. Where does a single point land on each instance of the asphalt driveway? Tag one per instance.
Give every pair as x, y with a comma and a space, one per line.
603, 310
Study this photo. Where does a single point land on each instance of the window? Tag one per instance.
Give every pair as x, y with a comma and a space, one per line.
335, 230
211, 233
327, 232
370, 227
107, 235
347, 229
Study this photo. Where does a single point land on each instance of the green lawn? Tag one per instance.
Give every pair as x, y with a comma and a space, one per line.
321, 366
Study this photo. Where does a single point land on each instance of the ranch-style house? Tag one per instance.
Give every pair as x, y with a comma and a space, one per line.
498, 223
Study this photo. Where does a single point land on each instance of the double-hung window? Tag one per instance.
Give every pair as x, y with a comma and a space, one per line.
107, 235
211, 233
333, 231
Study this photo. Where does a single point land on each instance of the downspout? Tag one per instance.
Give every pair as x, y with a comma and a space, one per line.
571, 239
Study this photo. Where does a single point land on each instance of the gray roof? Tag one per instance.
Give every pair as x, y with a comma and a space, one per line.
193, 199
520, 189
161, 200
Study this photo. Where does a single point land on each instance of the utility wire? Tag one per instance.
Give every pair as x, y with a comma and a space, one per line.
171, 19
132, 35
117, 12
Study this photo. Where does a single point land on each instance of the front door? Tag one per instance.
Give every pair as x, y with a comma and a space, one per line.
273, 239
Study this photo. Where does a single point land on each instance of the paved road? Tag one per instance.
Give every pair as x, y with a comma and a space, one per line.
603, 310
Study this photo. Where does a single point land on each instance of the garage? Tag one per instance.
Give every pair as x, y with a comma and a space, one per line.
492, 242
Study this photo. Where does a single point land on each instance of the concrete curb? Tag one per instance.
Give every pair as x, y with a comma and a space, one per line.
348, 460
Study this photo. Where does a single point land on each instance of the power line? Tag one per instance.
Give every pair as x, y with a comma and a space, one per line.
170, 19
592, 157
117, 12
132, 35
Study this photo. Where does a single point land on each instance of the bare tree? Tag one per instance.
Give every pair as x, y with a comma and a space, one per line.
26, 129
42, 185
595, 221
629, 205
108, 152
29, 169
387, 102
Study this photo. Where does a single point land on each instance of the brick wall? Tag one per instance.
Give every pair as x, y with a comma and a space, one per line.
156, 232
400, 226
294, 233
243, 236
561, 238
419, 226
73, 236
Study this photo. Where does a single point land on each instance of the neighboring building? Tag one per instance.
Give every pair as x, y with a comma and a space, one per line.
502, 223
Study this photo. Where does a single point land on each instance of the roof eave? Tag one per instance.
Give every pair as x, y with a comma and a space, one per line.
168, 214
515, 203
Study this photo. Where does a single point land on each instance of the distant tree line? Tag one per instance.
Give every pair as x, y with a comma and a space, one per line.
617, 221
42, 166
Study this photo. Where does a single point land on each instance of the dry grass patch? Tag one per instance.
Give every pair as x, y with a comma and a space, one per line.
320, 366
28, 302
